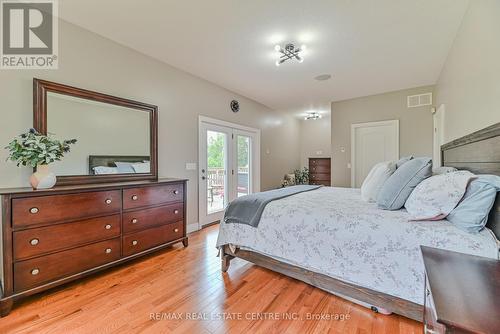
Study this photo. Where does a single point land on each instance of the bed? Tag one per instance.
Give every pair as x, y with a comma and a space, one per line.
333, 240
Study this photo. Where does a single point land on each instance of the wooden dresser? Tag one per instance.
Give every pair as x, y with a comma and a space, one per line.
319, 171
54, 236
462, 293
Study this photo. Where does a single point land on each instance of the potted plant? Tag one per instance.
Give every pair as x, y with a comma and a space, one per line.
37, 150
301, 176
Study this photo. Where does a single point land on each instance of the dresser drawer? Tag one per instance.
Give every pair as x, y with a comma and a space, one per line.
320, 177
40, 270
320, 169
41, 210
146, 196
139, 241
37, 241
145, 218
319, 162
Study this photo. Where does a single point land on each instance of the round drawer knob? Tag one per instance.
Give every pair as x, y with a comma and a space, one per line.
134, 242
35, 271
176, 212
176, 192
34, 210
176, 230
135, 197
134, 221
34, 242
108, 201
108, 250
108, 227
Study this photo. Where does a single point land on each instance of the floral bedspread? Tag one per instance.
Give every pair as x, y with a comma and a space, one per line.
333, 232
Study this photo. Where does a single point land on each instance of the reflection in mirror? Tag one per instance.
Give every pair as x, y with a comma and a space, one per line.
111, 139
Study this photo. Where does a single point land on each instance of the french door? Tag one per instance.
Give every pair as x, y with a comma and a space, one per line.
228, 166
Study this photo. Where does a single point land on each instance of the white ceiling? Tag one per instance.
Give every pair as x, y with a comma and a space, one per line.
368, 46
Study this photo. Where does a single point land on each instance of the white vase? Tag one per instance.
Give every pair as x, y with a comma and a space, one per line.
43, 178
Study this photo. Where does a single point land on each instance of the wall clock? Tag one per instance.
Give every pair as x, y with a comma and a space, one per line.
235, 106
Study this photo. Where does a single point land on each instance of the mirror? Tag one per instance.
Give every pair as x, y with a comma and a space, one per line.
116, 138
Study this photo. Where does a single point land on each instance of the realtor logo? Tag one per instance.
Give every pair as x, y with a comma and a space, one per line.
29, 34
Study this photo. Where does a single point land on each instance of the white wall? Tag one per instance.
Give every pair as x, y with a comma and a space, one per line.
315, 141
469, 84
89, 61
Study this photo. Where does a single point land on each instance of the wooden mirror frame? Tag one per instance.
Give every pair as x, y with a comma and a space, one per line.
40, 89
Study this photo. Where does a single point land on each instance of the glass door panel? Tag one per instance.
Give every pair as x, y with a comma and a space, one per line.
243, 163
216, 171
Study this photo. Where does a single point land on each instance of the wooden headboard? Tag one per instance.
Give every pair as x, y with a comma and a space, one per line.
109, 160
478, 152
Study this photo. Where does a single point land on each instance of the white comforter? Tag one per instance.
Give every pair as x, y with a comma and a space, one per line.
333, 232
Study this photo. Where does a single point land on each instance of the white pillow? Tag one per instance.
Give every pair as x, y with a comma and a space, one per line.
144, 167
105, 170
376, 179
435, 197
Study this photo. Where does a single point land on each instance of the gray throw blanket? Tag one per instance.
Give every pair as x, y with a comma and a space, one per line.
248, 209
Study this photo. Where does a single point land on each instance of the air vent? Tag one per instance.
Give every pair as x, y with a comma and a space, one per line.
420, 100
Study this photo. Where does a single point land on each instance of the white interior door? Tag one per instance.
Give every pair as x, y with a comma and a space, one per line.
229, 167
372, 143
438, 135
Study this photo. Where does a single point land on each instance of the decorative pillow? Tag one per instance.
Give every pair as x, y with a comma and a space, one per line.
435, 197
105, 170
472, 212
376, 179
399, 185
403, 160
144, 167
443, 170
125, 167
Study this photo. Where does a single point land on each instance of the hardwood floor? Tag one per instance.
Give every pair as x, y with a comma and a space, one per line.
158, 294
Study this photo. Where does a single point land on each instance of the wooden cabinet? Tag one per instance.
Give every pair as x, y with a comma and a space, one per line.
57, 235
140, 241
42, 240
144, 218
319, 171
41, 210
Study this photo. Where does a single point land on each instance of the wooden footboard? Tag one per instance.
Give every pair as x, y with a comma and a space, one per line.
334, 286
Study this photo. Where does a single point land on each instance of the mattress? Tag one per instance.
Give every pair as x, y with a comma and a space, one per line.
333, 232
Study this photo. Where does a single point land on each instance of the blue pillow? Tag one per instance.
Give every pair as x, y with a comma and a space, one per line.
471, 214
403, 160
125, 167
399, 185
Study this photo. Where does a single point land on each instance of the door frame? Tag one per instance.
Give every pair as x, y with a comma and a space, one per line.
438, 119
354, 126
255, 161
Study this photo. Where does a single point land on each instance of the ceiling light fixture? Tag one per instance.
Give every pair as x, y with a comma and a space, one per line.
313, 115
289, 52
